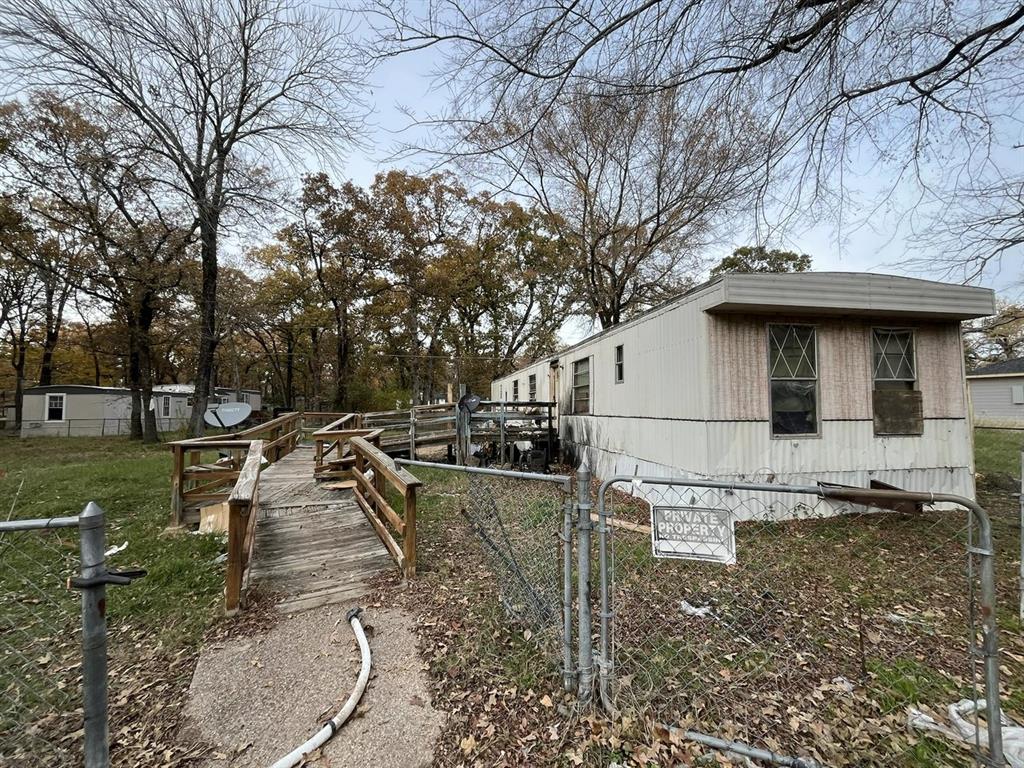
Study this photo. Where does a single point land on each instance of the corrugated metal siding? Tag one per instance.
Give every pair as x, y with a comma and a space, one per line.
992, 401
743, 447
848, 452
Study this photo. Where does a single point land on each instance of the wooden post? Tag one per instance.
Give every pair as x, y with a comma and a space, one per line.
409, 540
412, 433
238, 519
177, 481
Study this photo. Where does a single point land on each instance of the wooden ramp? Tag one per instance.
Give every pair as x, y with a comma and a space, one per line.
313, 546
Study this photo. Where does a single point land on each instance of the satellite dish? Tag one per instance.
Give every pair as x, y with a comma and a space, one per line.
469, 402
227, 414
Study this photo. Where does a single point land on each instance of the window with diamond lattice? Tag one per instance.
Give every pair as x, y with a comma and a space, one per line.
893, 358
793, 375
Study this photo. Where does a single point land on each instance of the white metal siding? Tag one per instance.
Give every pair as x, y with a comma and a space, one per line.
992, 401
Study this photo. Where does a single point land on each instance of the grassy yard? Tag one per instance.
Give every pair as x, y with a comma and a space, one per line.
997, 451
155, 624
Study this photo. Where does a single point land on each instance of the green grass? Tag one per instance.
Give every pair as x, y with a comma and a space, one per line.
997, 451
50, 477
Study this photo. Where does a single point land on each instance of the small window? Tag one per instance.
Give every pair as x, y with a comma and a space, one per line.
166, 406
620, 366
189, 401
55, 407
581, 386
244, 398
793, 374
532, 385
893, 358
515, 391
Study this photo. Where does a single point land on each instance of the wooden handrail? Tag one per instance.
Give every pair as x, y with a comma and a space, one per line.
243, 510
278, 437
371, 495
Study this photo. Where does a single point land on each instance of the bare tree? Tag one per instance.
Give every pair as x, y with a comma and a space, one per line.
216, 89
904, 82
636, 184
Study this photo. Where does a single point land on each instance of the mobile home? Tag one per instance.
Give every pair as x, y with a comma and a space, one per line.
849, 378
79, 409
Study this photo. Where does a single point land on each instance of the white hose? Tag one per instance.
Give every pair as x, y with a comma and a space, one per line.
320, 737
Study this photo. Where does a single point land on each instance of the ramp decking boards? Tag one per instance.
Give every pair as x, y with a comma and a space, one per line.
314, 546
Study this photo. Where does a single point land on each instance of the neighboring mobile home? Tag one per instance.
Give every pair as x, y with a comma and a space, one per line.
844, 377
997, 394
78, 409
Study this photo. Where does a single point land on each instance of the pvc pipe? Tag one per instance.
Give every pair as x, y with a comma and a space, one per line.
334, 724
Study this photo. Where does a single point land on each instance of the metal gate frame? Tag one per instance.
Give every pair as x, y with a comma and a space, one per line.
570, 669
981, 548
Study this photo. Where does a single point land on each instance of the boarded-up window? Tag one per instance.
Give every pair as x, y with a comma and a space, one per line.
581, 386
515, 391
620, 365
896, 401
793, 374
55, 407
532, 387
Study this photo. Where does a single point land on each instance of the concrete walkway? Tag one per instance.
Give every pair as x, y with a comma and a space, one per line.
256, 698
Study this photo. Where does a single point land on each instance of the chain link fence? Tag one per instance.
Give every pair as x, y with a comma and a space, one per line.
53, 641
522, 525
812, 631
40, 648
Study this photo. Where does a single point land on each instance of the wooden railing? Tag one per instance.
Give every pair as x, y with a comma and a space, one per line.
332, 456
243, 512
371, 493
195, 481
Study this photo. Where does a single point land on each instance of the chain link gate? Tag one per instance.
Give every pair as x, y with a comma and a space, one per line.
803, 625
523, 523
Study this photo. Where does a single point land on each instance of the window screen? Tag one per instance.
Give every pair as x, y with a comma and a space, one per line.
55, 407
893, 358
532, 382
620, 367
515, 391
793, 374
581, 386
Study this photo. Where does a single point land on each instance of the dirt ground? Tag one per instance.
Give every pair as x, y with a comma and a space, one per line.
255, 698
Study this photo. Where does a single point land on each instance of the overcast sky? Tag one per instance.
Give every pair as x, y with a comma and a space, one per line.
868, 237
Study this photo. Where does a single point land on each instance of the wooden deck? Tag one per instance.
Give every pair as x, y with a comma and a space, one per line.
313, 546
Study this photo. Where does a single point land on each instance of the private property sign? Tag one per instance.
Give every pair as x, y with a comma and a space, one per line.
693, 533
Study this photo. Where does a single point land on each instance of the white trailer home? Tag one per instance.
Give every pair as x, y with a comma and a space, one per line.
79, 409
844, 377
997, 394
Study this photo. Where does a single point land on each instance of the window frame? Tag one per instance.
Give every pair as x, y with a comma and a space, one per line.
913, 354
771, 378
574, 387
515, 391
531, 388
63, 405
620, 363
165, 407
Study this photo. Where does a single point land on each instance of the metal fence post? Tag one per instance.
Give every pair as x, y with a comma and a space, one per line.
94, 637
568, 672
586, 653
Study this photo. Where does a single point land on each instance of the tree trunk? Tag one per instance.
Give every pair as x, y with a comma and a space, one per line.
18, 363
135, 429
208, 225
150, 433
343, 358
